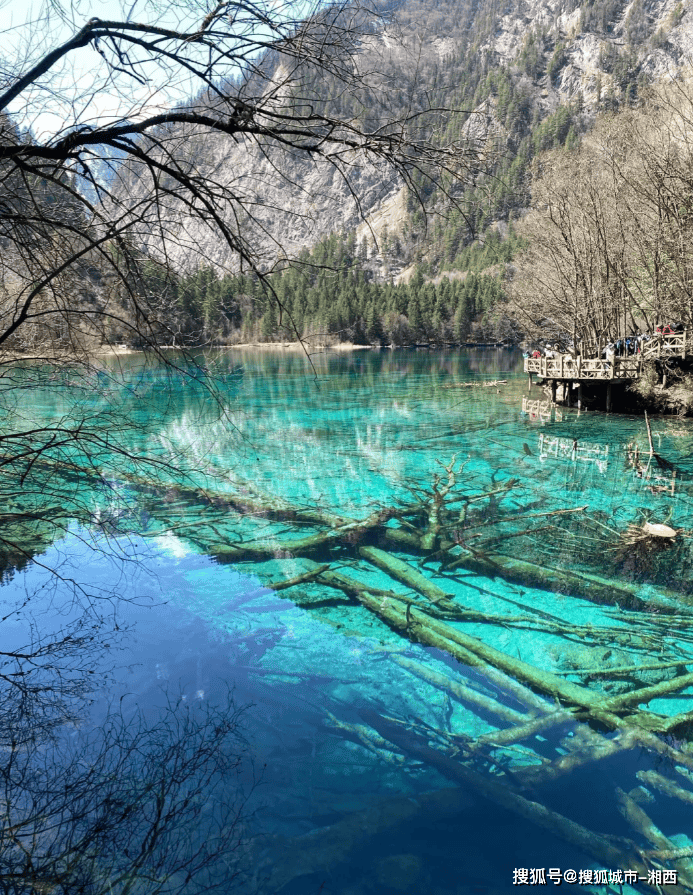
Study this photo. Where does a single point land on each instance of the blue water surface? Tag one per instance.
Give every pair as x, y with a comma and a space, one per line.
339, 807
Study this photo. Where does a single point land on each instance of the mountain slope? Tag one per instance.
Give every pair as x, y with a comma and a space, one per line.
534, 72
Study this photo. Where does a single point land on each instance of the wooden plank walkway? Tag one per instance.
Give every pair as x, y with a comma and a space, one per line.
588, 369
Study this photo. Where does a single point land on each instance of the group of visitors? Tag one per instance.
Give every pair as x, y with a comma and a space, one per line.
626, 347
548, 351
631, 345
634, 344
622, 347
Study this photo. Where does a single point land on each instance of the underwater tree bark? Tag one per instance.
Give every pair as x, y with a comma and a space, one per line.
407, 574
639, 820
594, 588
471, 651
462, 693
626, 854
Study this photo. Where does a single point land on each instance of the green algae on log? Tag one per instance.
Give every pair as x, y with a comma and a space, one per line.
601, 848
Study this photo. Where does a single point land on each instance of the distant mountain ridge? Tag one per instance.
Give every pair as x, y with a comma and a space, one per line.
520, 65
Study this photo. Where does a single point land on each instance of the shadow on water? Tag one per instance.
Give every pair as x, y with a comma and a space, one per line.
465, 655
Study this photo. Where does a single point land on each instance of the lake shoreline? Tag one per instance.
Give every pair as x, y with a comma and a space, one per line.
303, 347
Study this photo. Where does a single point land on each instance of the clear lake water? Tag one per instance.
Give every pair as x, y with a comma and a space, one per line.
341, 706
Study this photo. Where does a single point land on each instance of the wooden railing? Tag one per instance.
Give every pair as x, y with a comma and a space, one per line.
658, 345
566, 367
629, 367
570, 449
674, 345
537, 408
562, 367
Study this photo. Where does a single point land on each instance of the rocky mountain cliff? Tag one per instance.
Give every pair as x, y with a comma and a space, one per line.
516, 64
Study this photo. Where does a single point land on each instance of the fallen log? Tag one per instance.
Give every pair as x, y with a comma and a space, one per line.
436, 507
461, 692
486, 384
600, 848
456, 612
405, 573
594, 588
470, 650
516, 734
240, 503
310, 575
681, 725
639, 820
415, 624
388, 608
350, 533
647, 694
597, 748
363, 735
666, 786
450, 611
625, 670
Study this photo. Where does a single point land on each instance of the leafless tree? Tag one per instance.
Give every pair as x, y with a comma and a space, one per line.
134, 806
108, 135
610, 232
187, 78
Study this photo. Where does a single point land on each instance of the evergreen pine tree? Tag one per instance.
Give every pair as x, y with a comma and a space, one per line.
269, 322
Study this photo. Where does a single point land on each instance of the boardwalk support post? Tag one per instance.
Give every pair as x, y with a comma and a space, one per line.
608, 397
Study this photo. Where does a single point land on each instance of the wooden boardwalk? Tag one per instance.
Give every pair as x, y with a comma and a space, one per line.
589, 369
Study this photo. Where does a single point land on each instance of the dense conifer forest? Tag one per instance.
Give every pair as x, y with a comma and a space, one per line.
332, 295
441, 277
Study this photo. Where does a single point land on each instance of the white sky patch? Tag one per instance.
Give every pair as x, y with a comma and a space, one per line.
90, 105
81, 89
173, 546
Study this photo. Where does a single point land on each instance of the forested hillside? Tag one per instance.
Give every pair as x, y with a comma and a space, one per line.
507, 84
301, 237
330, 296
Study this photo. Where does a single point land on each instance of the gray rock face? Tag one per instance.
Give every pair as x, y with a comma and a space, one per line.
274, 202
657, 34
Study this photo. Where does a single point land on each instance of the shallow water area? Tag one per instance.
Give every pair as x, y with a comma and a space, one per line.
436, 600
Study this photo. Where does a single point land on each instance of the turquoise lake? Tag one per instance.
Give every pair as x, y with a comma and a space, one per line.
452, 712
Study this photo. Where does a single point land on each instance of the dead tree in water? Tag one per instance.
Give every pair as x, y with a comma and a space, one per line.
139, 805
78, 201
